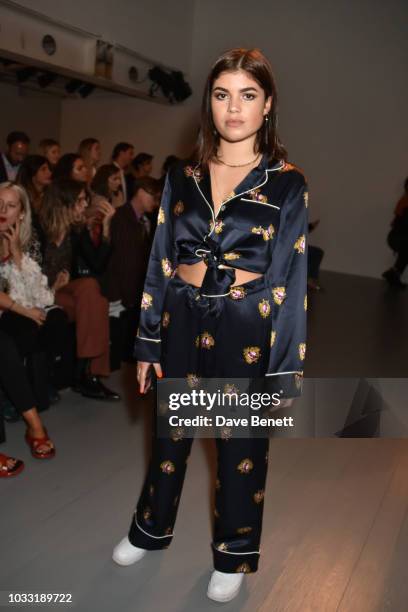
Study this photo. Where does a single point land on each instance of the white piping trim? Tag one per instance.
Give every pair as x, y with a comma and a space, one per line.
262, 203
149, 339
219, 295
228, 552
290, 372
150, 535
236, 195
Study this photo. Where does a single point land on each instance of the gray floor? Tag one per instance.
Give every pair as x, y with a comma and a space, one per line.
335, 532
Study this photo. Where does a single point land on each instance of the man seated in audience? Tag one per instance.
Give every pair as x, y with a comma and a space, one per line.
122, 155
131, 239
10, 161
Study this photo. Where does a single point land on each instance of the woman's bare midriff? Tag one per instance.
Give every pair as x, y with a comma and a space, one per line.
194, 274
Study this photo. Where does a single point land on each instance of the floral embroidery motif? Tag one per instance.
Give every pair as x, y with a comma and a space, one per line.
302, 350
191, 173
226, 433
161, 217
300, 244
298, 380
230, 389
237, 293
231, 256
279, 294
166, 267
178, 208
206, 341
245, 466
147, 513
266, 232
167, 467
244, 530
288, 167
147, 300
244, 568
166, 319
216, 513
257, 196
306, 198
305, 302
177, 434
218, 227
252, 354
264, 308
258, 496
192, 380
273, 337
222, 546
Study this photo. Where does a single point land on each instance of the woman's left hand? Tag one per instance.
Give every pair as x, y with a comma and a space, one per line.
12, 235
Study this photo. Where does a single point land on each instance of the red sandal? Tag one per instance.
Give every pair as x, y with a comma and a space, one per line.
34, 443
7, 472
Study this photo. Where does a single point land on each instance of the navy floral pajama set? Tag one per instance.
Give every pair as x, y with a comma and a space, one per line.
257, 329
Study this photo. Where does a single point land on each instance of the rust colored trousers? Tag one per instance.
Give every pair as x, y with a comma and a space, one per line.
83, 302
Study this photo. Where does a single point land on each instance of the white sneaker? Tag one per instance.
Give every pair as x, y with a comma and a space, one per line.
224, 587
126, 554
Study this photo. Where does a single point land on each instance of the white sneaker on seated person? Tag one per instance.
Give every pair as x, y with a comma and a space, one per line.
224, 586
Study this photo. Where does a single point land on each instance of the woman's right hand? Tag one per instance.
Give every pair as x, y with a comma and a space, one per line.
37, 315
61, 280
143, 376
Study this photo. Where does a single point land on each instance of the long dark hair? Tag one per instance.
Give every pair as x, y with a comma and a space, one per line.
63, 169
59, 198
29, 169
99, 183
257, 66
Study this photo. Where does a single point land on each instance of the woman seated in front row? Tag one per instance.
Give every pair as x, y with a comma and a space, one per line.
25, 322
71, 252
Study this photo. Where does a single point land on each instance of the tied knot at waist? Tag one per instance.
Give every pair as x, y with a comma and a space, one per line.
216, 283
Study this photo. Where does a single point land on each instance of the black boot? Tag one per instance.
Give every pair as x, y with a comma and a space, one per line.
92, 387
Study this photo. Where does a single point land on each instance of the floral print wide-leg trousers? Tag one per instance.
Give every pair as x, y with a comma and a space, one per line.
211, 337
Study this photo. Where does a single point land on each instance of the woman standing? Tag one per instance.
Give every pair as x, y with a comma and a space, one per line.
225, 296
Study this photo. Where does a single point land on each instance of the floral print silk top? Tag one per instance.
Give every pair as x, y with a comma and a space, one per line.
261, 227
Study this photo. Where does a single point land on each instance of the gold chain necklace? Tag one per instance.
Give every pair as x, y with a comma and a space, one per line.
237, 165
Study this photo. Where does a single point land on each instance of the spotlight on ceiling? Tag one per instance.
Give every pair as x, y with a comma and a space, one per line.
85, 90
25, 73
45, 79
73, 86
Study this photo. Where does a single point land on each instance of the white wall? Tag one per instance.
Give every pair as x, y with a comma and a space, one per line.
341, 72
159, 30
39, 115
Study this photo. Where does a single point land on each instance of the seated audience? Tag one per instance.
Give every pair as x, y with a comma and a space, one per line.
397, 240
34, 176
71, 166
167, 164
70, 253
106, 186
27, 322
142, 165
131, 239
90, 151
122, 156
50, 149
16, 152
